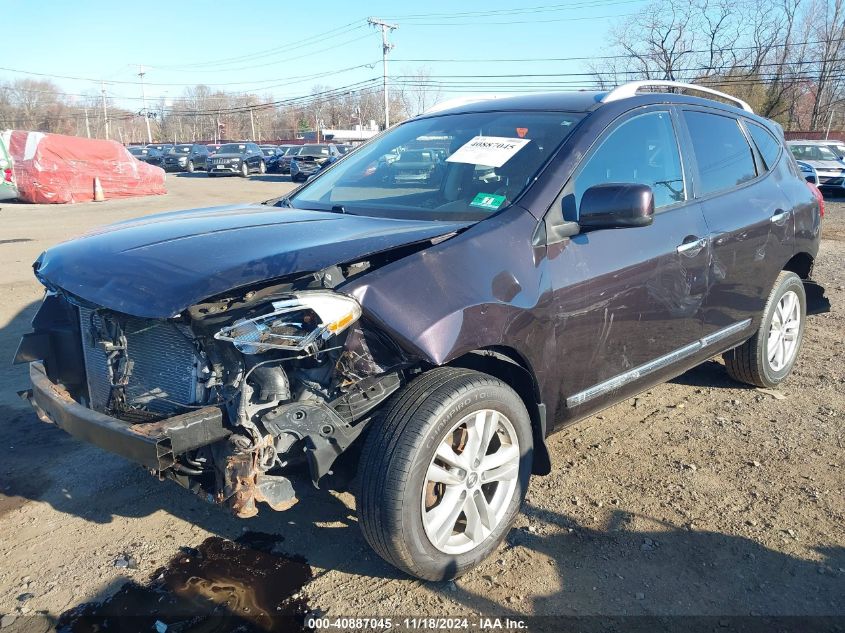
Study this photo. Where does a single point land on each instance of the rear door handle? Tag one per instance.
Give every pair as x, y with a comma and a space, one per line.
780, 217
692, 247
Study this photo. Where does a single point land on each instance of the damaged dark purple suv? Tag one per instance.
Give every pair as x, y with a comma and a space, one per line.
566, 252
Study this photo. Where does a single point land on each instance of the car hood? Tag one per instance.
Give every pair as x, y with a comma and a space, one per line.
227, 155
159, 265
825, 165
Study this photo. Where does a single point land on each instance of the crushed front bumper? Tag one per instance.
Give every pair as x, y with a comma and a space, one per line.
154, 445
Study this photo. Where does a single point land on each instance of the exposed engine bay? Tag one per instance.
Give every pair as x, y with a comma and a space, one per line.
256, 383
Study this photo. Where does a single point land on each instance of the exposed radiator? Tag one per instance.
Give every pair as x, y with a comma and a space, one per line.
165, 365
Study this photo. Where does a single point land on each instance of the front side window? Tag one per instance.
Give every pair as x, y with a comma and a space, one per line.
449, 167
723, 155
768, 145
643, 151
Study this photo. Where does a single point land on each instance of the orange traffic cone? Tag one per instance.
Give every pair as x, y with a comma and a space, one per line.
99, 196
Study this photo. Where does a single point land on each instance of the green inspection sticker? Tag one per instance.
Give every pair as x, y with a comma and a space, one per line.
487, 201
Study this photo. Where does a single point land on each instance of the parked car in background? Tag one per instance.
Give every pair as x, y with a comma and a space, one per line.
418, 165
237, 158
272, 157
149, 155
616, 240
290, 153
809, 172
186, 157
8, 188
830, 169
310, 159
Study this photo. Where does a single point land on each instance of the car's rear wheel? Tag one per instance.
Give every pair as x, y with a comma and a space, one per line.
244, 169
767, 358
444, 471
190, 167
262, 168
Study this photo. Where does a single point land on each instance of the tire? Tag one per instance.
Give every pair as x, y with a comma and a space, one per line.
397, 500
190, 167
262, 168
244, 170
767, 358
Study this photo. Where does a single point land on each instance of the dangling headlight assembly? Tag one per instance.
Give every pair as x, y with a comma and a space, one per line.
306, 319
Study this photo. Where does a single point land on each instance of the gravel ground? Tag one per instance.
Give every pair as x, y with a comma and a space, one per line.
699, 497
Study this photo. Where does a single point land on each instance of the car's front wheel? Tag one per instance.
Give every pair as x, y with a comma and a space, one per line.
191, 167
767, 358
444, 471
262, 168
244, 169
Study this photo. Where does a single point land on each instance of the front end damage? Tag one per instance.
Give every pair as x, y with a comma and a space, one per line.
228, 397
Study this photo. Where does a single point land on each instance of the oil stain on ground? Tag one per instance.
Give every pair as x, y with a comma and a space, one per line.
218, 587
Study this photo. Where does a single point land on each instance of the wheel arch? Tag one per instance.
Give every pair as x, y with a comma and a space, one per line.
510, 367
802, 265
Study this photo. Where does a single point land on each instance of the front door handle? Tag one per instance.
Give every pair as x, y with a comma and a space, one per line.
780, 217
692, 247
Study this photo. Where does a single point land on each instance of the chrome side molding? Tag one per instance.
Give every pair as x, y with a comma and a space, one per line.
611, 384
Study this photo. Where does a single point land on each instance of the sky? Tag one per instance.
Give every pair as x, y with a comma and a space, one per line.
284, 49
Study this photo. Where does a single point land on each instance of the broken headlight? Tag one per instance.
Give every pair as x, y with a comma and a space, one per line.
301, 322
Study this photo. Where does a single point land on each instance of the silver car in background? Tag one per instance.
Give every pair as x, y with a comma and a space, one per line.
830, 168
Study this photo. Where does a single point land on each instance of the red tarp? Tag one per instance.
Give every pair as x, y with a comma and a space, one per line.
52, 168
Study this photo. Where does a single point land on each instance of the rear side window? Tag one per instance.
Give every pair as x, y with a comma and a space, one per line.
723, 155
767, 144
643, 150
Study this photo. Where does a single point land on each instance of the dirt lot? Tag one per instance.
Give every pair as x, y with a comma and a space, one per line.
700, 497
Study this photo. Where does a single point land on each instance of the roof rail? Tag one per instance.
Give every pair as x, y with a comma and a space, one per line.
631, 88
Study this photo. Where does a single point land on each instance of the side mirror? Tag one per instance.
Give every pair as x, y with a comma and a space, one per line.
615, 206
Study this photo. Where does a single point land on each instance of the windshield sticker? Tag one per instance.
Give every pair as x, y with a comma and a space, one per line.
488, 201
493, 151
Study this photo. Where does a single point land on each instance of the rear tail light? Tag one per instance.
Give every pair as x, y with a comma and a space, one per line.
7, 174
819, 197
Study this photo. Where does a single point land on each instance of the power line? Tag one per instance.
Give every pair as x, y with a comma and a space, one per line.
519, 11
275, 50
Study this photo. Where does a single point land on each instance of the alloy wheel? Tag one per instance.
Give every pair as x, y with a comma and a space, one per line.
784, 331
470, 482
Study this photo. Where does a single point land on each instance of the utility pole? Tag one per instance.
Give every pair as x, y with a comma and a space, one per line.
386, 47
87, 124
105, 109
141, 74
829, 121
252, 123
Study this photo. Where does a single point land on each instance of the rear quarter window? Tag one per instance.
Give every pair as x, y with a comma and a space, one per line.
767, 144
723, 155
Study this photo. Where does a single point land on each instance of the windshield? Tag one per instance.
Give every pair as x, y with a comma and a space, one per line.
268, 151
452, 167
812, 152
138, 151
294, 151
181, 149
314, 150
232, 148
